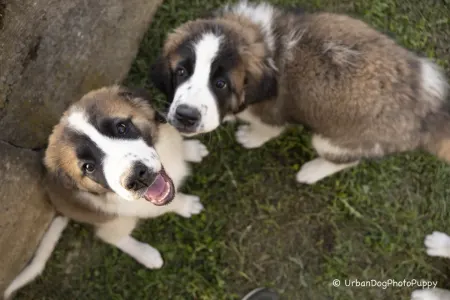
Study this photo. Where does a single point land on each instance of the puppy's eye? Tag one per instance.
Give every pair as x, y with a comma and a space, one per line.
89, 167
122, 128
180, 71
220, 84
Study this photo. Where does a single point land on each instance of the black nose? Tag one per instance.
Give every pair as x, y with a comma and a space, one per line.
187, 115
140, 177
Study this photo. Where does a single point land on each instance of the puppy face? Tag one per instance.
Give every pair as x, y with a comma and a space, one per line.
209, 69
105, 143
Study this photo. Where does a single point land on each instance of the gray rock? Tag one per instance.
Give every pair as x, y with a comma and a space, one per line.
24, 209
52, 52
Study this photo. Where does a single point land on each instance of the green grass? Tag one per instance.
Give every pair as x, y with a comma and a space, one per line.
262, 228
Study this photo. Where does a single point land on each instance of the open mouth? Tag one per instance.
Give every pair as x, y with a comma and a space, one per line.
161, 191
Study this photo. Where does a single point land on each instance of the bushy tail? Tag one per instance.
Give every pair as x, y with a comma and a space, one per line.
435, 90
41, 256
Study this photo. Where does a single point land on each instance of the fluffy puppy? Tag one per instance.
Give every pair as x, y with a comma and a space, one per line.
361, 94
112, 160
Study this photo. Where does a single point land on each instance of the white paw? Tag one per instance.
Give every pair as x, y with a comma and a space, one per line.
250, 138
190, 205
429, 294
149, 256
438, 244
319, 168
194, 150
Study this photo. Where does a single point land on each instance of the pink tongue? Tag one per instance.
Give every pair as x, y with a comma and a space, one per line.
157, 187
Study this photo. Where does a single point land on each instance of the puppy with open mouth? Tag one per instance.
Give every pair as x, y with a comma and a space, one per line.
112, 160
361, 94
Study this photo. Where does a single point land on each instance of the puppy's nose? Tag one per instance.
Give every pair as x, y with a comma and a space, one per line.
187, 115
139, 177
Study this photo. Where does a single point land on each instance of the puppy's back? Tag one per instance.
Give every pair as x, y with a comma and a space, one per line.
350, 82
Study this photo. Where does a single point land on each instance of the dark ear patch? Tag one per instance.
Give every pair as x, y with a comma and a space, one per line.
161, 77
263, 88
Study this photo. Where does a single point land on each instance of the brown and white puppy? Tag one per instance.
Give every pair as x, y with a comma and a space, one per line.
112, 160
437, 244
362, 95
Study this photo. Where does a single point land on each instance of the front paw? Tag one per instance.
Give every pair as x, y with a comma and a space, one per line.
190, 205
250, 138
194, 150
149, 256
438, 244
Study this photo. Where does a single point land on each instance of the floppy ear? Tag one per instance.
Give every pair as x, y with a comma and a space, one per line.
261, 87
161, 77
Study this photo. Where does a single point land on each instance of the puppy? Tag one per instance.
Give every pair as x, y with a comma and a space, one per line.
361, 94
112, 160
437, 244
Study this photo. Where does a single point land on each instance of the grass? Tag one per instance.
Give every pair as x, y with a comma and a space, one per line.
262, 228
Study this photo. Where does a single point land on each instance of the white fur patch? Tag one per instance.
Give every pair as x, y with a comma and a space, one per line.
41, 256
430, 294
319, 168
324, 146
195, 92
434, 82
142, 252
438, 244
120, 154
260, 13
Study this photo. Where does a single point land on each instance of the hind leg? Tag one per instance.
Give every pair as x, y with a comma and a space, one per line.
332, 159
319, 168
118, 233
